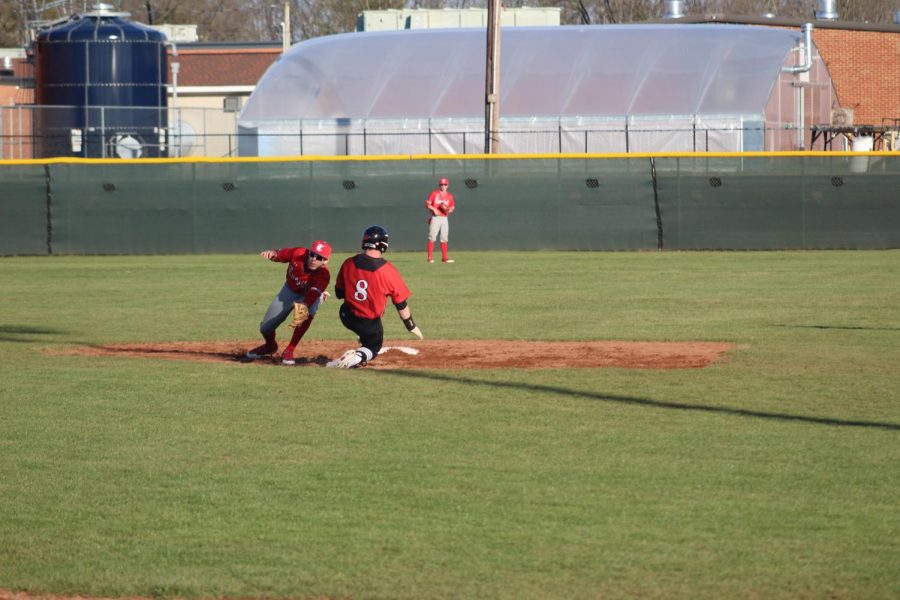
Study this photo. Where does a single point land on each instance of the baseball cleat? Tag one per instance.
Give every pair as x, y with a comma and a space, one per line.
288, 357
449, 260
262, 351
430, 260
348, 360
336, 363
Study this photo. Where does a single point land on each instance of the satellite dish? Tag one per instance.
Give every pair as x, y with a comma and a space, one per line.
184, 138
126, 146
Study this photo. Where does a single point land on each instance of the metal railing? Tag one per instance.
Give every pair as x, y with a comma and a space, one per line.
29, 131
32, 131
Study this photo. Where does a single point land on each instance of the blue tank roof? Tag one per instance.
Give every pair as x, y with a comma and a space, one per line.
100, 25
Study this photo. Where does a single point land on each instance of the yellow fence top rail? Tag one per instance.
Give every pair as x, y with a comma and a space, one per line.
446, 157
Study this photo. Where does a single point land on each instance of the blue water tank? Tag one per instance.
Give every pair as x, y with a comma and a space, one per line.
100, 83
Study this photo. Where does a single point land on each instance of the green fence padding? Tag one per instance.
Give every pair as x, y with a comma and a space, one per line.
620, 202
564, 204
784, 202
138, 208
122, 209
23, 210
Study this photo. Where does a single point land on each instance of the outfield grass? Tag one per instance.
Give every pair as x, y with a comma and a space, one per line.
774, 474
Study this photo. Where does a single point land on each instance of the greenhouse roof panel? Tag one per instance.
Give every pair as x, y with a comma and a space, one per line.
568, 71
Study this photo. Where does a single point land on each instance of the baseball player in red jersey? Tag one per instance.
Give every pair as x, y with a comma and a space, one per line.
440, 204
365, 282
303, 291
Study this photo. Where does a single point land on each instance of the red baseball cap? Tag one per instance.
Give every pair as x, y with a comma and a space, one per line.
322, 248
444, 181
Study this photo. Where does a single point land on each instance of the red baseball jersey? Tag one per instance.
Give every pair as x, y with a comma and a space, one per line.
309, 283
365, 283
440, 203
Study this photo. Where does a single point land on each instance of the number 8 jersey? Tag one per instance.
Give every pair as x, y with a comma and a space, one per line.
365, 283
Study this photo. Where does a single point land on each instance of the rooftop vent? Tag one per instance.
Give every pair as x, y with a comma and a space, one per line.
827, 10
674, 9
103, 9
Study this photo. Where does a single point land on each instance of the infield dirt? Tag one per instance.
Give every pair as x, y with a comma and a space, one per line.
443, 354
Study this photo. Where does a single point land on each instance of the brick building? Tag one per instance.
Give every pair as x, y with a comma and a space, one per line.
865, 68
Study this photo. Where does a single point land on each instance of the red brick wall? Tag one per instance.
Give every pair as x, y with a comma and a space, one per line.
865, 69
212, 67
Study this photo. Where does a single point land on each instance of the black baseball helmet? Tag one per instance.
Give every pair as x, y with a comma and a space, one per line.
375, 237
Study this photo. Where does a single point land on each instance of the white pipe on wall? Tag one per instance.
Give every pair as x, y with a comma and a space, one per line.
800, 69
807, 53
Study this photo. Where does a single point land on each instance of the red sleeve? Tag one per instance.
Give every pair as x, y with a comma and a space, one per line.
397, 289
339, 282
318, 283
452, 203
429, 204
285, 254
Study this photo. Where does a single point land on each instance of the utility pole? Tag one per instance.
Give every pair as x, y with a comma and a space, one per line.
492, 83
286, 28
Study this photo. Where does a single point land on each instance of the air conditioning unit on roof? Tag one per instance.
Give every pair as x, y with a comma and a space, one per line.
841, 117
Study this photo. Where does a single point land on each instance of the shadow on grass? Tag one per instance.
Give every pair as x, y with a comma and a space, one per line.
613, 398
21, 333
844, 327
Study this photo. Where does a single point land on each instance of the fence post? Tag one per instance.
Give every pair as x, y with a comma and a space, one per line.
49, 201
659, 223
103, 131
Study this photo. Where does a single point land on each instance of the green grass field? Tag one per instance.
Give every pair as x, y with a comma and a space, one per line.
773, 474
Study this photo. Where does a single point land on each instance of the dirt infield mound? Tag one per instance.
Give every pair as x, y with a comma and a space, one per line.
10, 595
447, 354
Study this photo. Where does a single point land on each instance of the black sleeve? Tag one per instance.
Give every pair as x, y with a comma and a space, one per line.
400, 306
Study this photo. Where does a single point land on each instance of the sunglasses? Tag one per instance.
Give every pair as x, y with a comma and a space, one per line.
315, 256
443, 184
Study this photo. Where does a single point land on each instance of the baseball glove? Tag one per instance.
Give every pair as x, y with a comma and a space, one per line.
301, 314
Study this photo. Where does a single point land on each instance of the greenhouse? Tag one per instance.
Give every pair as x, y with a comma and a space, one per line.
570, 89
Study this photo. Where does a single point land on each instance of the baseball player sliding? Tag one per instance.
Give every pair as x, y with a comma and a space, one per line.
365, 282
440, 204
306, 280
